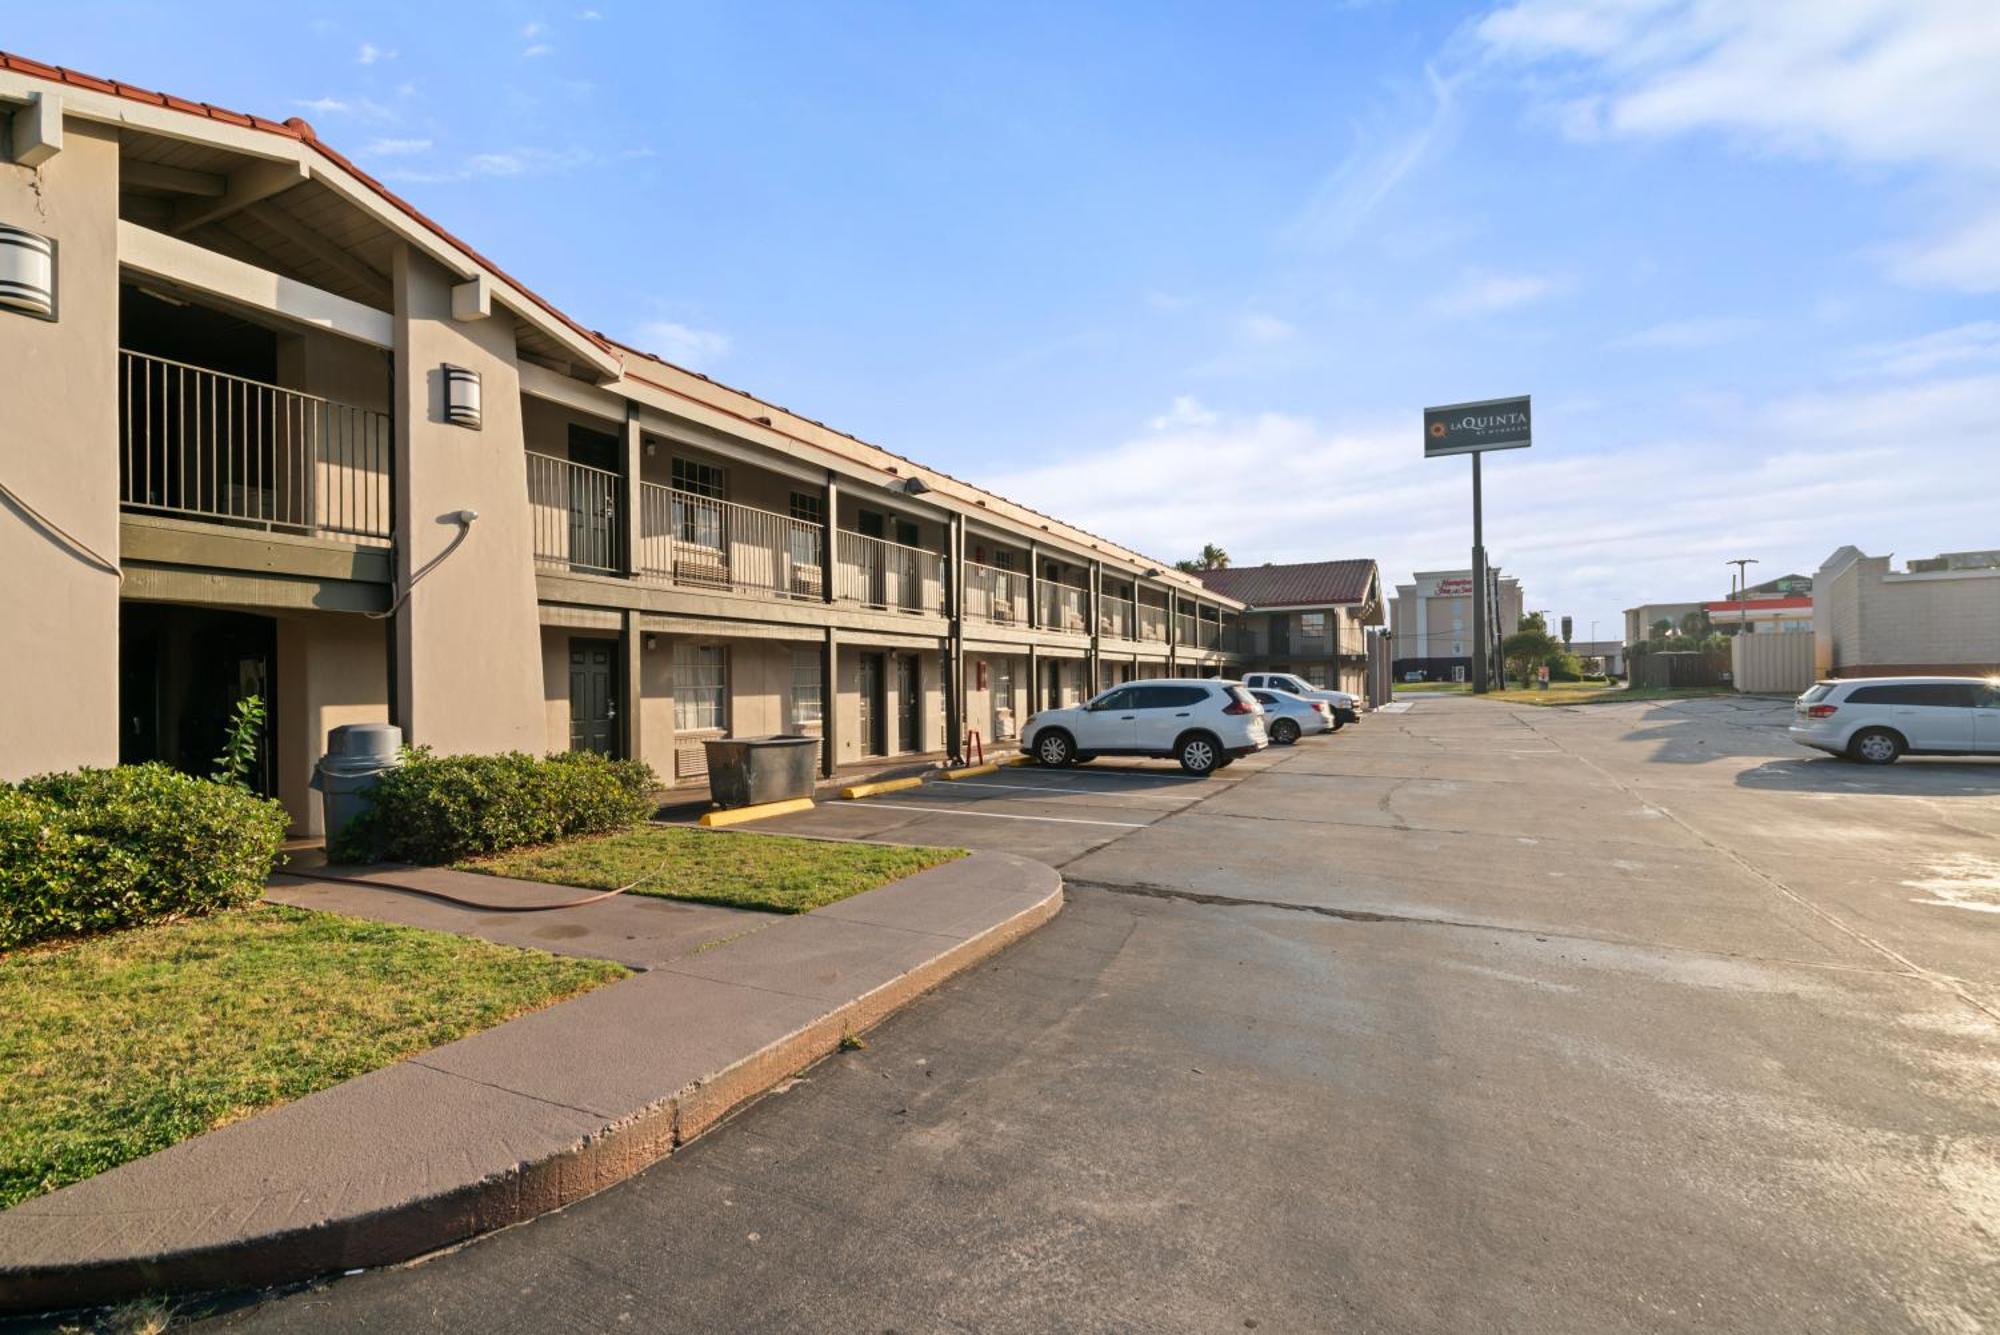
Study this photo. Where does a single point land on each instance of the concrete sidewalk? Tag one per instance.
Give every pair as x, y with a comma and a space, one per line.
525, 1117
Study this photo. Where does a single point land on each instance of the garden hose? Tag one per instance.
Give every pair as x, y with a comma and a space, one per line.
405, 888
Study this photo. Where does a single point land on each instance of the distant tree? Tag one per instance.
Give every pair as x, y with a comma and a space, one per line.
1696, 624
1534, 621
1212, 558
1662, 628
1529, 648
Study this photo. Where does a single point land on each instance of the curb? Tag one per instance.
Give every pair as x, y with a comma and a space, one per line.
741, 815
435, 1218
855, 790
968, 772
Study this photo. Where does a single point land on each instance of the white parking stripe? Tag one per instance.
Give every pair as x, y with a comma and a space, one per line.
1047, 788
996, 815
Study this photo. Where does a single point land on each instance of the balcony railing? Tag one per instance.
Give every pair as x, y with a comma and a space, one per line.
703, 543
226, 450
1184, 630
574, 512
1152, 623
995, 595
1062, 607
1116, 619
878, 573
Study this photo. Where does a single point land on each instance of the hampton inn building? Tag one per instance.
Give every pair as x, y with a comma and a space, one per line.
266, 428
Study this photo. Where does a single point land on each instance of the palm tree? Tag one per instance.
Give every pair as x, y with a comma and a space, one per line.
1212, 558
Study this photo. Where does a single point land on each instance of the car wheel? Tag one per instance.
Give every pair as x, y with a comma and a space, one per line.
1284, 732
1055, 750
1875, 746
1199, 753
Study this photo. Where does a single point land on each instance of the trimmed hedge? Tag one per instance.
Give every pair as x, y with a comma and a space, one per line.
443, 808
98, 849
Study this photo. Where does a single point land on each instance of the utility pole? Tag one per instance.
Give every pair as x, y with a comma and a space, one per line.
1742, 591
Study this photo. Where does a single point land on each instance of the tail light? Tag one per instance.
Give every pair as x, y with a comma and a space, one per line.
1820, 711
1320, 706
1241, 702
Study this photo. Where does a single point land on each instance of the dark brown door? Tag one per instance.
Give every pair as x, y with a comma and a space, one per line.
910, 693
874, 716
593, 696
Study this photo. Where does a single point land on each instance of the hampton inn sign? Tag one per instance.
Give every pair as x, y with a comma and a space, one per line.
1468, 428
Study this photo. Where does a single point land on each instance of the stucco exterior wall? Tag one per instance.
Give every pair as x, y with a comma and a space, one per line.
59, 453
469, 669
333, 669
1877, 619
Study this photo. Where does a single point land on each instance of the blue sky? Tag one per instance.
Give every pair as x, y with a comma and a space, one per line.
1188, 273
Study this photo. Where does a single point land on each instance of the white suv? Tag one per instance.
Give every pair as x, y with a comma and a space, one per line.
1876, 719
1344, 706
1202, 722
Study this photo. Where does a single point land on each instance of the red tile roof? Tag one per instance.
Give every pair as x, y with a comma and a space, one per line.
295, 128
1308, 584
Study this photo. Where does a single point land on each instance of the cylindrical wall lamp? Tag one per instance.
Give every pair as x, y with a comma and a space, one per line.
461, 396
27, 272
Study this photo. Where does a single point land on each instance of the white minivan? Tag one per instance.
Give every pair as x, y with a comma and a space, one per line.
1876, 719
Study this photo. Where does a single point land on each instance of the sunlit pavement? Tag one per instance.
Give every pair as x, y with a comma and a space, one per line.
1472, 1017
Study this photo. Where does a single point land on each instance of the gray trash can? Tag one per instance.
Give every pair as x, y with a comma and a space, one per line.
746, 771
356, 755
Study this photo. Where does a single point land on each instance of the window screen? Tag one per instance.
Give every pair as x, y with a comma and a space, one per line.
804, 701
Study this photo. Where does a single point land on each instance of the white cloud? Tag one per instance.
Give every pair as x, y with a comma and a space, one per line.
502, 163
1261, 328
1975, 343
1186, 411
534, 30
588, 16
1381, 159
324, 105
1868, 82
538, 49
370, 53
683, 344
1967, 260
1650, 512
1701, 332
1486, 293
396, 148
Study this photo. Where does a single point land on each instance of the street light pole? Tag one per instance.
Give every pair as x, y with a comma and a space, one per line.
1742, 565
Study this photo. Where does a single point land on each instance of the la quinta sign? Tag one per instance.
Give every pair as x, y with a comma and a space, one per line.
1470, 428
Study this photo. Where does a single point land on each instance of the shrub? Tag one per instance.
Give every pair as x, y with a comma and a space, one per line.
97, 849
436, 808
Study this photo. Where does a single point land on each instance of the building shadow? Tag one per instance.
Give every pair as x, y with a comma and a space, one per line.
1912, 776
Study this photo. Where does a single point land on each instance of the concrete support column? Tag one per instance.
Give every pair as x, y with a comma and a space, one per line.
631, 687
1035, 705
1173, 633
830, 501
829, 695
954, 655
1034, 586
1093, 679
629, 536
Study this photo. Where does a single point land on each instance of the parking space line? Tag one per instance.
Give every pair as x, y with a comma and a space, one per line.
1049, 788
942, 810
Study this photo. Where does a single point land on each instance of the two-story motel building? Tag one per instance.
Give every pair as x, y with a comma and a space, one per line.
253, 401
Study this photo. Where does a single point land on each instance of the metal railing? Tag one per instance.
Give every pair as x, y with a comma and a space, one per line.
1061, 606
1184, 630
1152, 621
228, 450
573, 509
1116, 619
996, 595
878, 573
700, 542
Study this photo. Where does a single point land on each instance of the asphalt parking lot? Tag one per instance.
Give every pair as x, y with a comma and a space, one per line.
1470, 1018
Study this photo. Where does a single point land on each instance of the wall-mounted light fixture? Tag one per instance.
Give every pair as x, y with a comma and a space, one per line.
461, 396
27, 272
651, 643
652, 448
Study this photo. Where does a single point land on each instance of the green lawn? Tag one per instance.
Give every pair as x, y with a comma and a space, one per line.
1433, 688
112, 1047
749, 871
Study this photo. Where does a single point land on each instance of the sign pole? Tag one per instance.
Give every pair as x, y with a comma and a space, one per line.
1478, 585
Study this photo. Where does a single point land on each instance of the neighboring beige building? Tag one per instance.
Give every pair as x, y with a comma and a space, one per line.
1640, 620
254, 401
1937, 615
1311, 618
1432, 622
